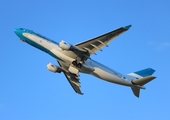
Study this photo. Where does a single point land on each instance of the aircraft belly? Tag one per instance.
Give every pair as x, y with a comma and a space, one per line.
62, 56
109, 77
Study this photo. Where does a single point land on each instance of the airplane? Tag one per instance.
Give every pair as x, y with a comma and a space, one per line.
75, 58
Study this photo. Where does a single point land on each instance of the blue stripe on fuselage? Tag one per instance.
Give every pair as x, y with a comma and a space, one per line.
19, 32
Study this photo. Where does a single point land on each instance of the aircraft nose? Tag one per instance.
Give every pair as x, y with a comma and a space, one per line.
16, 31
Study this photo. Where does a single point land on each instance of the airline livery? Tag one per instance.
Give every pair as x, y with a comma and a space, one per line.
73, 59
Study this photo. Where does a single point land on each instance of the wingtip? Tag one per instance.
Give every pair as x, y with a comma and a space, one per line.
127, 27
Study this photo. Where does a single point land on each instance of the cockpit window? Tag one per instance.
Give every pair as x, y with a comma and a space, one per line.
23, 29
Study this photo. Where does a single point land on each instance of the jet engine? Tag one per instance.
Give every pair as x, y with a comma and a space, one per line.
66, 46
53, 68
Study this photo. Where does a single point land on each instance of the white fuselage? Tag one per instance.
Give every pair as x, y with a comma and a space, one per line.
97, 69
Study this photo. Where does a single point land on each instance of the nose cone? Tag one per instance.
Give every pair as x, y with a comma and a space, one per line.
17, 31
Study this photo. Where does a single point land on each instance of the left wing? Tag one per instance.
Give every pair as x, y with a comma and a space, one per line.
72, 79
97, 43
74, 82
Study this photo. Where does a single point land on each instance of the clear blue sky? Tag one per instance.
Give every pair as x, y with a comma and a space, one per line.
30, 92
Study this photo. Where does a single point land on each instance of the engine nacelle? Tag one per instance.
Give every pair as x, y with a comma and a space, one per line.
53, 68
65, 46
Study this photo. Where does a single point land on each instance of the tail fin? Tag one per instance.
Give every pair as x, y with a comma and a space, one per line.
143, 73
144, 77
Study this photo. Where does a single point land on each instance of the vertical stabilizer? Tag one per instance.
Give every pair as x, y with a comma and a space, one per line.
143, 73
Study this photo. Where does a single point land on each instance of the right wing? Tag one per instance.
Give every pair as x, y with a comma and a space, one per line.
97, 43
72, 79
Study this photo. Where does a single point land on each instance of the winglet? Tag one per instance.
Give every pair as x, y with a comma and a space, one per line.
127, 27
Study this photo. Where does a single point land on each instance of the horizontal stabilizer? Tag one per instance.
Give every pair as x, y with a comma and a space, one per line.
143, 81
140, 82
136, 91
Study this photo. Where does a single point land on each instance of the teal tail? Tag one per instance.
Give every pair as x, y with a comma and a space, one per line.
144, 76
145, 72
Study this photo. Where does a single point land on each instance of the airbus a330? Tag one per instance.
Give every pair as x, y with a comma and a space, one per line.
73, 59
